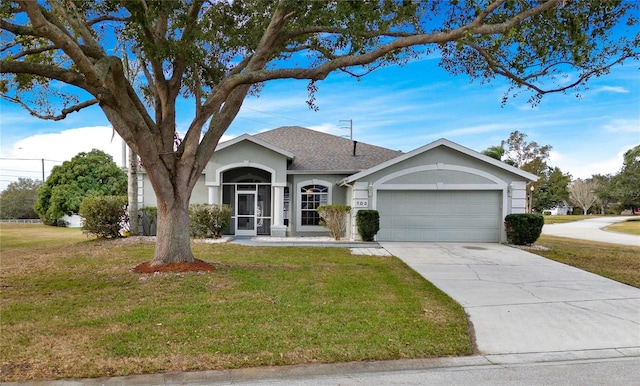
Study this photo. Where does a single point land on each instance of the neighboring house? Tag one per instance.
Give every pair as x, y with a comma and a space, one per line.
73, 220
275, 180
560, 210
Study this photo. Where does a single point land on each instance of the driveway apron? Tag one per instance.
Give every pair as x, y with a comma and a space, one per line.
519, 302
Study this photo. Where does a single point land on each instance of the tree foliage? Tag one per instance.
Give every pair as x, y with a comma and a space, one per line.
87, 174
216, 53
495, 152
526, 155
551, 190
19, 198
604, 191
626, 184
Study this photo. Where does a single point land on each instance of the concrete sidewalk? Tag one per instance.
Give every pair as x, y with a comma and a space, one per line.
521, 303
593, 229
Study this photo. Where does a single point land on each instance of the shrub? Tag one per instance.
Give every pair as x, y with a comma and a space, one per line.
104, 216
334, 218
208, 220
148, 219
368, 223
523, 228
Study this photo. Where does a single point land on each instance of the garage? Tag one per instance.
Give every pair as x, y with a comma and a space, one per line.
440, 215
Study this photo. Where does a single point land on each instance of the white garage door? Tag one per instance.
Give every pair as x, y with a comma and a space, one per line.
462, 216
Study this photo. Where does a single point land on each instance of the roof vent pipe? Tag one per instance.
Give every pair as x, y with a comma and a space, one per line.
355, 143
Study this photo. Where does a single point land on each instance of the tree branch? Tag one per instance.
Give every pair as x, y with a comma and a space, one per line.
46, 71
61, 38
501, 69
63, 113
33, 51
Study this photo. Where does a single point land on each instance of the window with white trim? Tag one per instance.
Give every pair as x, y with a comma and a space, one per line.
311, 197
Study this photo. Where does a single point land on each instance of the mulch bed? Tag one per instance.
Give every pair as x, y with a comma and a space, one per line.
196, 266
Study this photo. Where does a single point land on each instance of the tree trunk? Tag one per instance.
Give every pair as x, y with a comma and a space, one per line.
173, 242
133, 193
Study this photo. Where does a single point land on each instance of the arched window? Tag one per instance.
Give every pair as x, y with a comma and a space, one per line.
311, 197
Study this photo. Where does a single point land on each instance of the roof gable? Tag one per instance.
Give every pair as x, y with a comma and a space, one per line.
257, 141
449, 144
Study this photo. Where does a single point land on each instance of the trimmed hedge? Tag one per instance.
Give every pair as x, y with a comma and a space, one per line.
368, 223
523, 228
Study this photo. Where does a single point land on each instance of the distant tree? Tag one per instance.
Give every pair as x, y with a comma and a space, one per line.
626, 184
496, 152
528, 156
19, 198
87, 174
58, 57
604, 191
583, 193
552, 190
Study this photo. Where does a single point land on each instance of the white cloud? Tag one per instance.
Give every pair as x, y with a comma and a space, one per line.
623, 126
24, 157
585, 165
616, 89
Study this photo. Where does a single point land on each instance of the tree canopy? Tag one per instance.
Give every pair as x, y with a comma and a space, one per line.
551, 190
87, 174
136, 58
626, 184
19, 198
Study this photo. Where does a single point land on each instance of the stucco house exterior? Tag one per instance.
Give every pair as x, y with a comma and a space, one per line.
275, 180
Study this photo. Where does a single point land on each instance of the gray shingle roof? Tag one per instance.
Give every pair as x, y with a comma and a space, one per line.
318, 151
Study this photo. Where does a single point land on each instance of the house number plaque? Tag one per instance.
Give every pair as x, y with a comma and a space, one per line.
361, 203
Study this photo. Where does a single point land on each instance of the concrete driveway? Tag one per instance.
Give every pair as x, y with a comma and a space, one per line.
520, 303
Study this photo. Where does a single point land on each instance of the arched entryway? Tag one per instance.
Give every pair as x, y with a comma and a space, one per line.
247, 191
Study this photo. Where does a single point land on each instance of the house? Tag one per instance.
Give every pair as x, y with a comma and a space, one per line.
559, 210
275, 180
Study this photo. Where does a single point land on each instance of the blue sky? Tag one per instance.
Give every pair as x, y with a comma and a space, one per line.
400, 108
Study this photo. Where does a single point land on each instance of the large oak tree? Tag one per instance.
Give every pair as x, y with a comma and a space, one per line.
216, 52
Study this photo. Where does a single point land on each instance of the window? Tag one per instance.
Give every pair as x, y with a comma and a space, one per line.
312, 197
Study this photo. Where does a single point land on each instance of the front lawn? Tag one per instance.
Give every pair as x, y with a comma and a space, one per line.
631, 226
617, 262
72, 307
568, 218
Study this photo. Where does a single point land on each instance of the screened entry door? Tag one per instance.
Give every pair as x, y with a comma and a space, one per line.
246, 214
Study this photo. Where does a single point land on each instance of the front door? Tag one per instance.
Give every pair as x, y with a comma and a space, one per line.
246, 214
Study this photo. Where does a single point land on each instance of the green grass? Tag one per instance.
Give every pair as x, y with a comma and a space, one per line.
631, 226
71, 307
616, 262
568, 218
